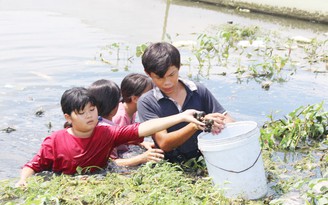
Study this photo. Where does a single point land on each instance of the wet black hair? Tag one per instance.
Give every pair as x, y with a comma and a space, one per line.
108, 95
134, 84
75, 99
158, 57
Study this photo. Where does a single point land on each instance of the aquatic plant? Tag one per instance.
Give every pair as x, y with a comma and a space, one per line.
303, 125
140, 49
316, 51
299, 175
161, 183
248, 52
114, 53
318, 192
244, 51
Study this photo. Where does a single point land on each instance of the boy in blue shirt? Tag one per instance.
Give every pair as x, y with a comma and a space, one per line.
172, 95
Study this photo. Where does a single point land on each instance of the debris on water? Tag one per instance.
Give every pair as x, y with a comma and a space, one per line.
244, 10
290, 198
39, 113
320, 71
254, 44
49, 125
180, 44
320, 187
41, 75
8, 129
266, 85
244, 43
301, 39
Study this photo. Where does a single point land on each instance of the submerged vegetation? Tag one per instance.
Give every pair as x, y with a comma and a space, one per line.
295, 160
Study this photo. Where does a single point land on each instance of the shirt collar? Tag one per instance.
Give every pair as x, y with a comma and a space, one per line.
190, 84
104, 121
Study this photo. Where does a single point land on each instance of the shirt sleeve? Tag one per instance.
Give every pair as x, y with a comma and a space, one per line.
147, 108
43, 160
128, 134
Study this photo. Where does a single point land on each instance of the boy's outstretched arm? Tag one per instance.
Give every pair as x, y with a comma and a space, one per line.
26, 172
155, 125
169, 141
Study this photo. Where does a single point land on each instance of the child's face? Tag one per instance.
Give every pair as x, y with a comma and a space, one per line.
85, 120
169, 82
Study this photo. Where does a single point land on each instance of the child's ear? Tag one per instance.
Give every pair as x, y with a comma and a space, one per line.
68, 118
147, 73
134, 98
114, 111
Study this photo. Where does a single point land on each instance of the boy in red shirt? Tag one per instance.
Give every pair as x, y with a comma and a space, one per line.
84, 144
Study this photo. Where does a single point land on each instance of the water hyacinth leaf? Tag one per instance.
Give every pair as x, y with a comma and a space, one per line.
299, 127
318, 191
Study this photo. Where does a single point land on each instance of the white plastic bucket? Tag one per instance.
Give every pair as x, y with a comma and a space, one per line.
234, 160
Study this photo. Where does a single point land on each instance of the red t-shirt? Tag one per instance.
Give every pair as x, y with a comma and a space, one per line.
63, 153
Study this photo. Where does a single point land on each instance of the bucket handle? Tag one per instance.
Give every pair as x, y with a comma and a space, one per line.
237, 172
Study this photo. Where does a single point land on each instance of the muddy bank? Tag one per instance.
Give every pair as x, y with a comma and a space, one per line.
316, 10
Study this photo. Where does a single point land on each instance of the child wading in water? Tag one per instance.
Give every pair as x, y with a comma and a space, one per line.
132, 87
171, 95
107, 95
85, 144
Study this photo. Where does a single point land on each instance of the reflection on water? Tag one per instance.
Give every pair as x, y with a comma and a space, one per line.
49, 47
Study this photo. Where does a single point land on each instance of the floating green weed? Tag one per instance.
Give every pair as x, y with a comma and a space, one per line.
87, 170
304, 173
316, 51
140, 49
161, 183
114, 53
248, 52
318, 192
295, 156
303, 125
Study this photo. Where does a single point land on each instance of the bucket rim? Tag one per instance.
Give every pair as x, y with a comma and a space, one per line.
231, 140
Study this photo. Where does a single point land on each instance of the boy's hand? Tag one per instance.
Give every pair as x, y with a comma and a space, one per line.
188, 116
21, 183
153, 155
218, 121
147, 145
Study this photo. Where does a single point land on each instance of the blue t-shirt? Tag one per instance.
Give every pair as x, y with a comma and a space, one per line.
155, 104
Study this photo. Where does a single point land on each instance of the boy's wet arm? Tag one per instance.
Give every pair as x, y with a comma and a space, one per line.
169, 141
